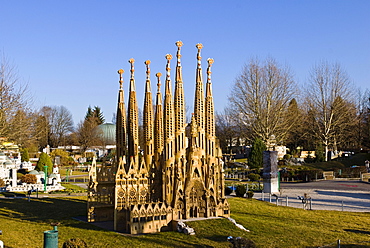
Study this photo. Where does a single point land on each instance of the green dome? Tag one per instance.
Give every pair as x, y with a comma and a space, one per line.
108, 132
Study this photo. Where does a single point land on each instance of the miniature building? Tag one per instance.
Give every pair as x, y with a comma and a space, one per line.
178, 176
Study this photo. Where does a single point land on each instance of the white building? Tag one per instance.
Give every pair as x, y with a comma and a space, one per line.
8, 170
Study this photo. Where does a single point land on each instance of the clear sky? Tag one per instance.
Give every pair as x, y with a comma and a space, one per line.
69, 51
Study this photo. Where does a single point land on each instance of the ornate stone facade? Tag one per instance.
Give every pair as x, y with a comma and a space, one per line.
178, 176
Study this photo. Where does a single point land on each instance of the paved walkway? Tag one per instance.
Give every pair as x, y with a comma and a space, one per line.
337, 195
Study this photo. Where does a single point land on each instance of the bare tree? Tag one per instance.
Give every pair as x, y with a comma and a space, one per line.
87, 133
56, 122
329, 99
260, 98
14, 102
226, 129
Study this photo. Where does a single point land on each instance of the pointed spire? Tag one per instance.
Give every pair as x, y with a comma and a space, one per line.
159, 98
158, 122
120, 120
133, 119
199, 94
120, 72
168, 117
209, 113
147, 87
178, 66
148, 119
209, 82
168, 76
132, 79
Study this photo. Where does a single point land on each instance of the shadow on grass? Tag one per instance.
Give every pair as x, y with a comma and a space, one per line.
357, 231
44, 210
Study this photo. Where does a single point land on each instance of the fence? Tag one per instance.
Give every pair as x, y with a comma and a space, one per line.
324, 201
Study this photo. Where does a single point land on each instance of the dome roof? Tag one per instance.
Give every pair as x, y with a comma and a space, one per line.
108, 132
33, 172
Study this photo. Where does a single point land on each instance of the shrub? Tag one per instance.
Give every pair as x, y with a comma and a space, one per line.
242, 242
44, 160
240, 190
29, 179
75, 243
250, 194
287, 156
254, 177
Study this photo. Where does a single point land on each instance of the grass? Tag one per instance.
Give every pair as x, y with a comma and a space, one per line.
23, 224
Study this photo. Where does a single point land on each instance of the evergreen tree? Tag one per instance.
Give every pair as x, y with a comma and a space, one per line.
25, 157
44, 159
319, 153
95, 114
255, 160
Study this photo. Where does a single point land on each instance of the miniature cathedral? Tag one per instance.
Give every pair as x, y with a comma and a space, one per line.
179, 175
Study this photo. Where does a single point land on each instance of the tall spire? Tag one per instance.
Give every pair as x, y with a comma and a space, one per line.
120, 121
168, 112
158, 121
148, 119
133, 122
199, 99
210, 117
179, 105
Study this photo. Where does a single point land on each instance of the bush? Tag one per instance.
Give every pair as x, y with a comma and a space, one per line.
239, 242
228, 190
29, 179
75, 243
254, 177
44, 159
250, 194
240, 190
287, 156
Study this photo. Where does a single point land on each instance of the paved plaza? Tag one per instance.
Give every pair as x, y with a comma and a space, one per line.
340, 195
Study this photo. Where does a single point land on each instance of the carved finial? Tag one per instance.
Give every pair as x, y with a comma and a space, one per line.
147, 63
199, 46
210, 62
179, 44
120, 72
168, 57
131, 61
158, 75
178, 55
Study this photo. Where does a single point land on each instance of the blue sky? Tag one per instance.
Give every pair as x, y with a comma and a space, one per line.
69, 51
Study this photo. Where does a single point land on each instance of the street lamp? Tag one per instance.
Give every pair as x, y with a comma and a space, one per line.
46, 176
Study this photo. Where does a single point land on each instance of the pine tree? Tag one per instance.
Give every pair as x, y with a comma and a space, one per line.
95, 114
256, 156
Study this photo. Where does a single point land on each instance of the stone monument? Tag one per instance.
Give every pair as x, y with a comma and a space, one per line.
270, 172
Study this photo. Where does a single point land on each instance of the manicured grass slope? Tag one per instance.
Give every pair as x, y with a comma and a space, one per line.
23, 223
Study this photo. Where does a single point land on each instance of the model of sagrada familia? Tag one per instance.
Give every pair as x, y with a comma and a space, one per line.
179, 175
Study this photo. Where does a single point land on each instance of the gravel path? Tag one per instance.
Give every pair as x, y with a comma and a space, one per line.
328, 195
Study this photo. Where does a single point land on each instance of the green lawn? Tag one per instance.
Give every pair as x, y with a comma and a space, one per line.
23, 223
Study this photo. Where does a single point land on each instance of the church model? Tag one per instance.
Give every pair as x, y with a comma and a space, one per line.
178, 175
